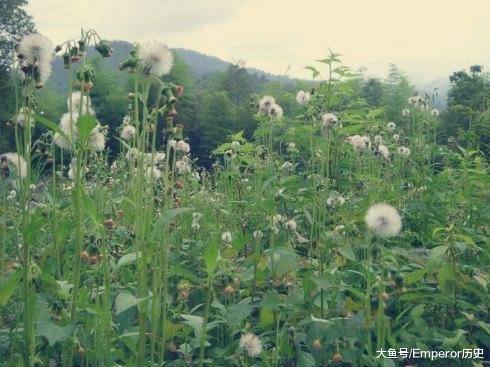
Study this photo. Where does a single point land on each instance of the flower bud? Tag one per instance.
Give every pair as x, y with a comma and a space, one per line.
178, 132
104, 48
66, 60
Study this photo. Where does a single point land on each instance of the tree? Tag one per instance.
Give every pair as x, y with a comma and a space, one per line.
397, 90
215, 124
373, 92
467, 114
14, 24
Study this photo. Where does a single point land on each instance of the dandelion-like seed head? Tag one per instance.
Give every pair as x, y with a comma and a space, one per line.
183, 147
251, 343
434, 112
403, 151
78, 100
291, 224
227, 237
276, 111
287, 166
414, 100
335, 199
384, 151
37, 50
359, 143
328, 120
265, 105
396, 137
383, 220
303, 97
406, 112
156, 58
14, 160
97, 139
128, 132
21, 117
391, 126
183, 166
378, 139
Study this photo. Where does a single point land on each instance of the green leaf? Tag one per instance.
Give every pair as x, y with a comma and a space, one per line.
85, 125
9, 285
236, 314
271, 301
125, 300
314, 71
33, 228
126, 259
195, 322
211, 256
50, 125
437, 254
306, 360
347, 252
53, 332
165, 219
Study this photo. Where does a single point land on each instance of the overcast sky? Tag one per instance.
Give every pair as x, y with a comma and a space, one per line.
427, 38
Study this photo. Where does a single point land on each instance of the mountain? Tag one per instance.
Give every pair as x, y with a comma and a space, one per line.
199, 64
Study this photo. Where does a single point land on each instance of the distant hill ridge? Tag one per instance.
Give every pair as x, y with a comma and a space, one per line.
199, 64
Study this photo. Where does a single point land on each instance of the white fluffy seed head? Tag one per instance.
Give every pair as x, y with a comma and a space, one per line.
335, 199
128, 132
383, 220
227, 237
37, 50
265, 105
97, 139
359, 143
183, 147
403, 151
78, 100
156, 58
16, 161
251, 343
329, 119
391, 126
406, 112
276, 111
303, 97
434, 112
384, 151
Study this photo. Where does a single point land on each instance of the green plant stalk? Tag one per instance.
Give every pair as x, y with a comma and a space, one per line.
26, 219
209, 292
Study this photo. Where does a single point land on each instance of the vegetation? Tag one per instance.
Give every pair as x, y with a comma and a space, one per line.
157, 217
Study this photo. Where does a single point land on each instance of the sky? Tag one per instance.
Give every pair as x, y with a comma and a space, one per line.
428, 39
